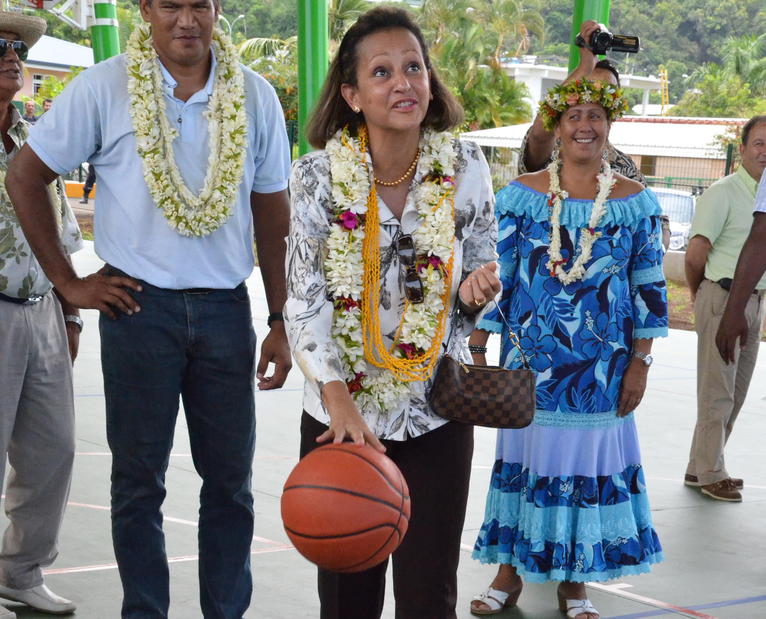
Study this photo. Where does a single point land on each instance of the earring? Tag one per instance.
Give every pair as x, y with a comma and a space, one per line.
355, 109
556, 153
605, 155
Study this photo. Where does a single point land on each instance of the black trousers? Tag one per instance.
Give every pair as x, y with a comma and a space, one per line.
437, 467
90, 180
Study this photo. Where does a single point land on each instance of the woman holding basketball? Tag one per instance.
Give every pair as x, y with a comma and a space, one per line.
390, 260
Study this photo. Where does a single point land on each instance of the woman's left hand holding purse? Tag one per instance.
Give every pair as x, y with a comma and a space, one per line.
479, 288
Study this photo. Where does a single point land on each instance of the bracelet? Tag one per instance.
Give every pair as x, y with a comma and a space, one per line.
477, 350
75, 320
273, 317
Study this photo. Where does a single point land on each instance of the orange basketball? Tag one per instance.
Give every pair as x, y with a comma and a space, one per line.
345, 507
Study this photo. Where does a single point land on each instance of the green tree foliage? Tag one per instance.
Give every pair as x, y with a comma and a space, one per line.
277, 61
273, 19
745, 57
342, 13
691, 32
469, 41
719, 93
52, 86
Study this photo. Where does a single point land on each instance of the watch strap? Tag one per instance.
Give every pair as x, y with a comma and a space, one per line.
645, 357
274, 316
75, 320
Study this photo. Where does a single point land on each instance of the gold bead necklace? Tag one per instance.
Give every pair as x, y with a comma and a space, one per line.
409, 171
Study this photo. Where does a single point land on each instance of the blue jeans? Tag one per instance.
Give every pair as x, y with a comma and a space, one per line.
200, 345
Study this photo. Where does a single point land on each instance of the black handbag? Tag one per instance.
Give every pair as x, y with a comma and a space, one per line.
484, 395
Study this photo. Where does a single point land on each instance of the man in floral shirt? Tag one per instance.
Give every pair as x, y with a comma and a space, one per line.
192, 159
39, 335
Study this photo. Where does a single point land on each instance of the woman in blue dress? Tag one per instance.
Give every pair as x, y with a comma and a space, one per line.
583, 288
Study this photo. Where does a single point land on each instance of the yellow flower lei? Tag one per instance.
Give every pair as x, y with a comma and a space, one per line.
189, 214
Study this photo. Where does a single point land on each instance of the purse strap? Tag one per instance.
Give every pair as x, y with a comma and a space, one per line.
513, 337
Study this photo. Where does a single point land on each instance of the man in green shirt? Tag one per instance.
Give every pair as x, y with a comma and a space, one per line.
720, 227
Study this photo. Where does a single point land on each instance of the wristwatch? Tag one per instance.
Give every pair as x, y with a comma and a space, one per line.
74, 320
645, 357
274, 316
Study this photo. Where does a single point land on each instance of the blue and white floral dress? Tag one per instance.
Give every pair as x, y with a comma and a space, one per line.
567, 498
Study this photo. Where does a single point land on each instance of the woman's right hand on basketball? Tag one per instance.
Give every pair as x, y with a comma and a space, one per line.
346, 422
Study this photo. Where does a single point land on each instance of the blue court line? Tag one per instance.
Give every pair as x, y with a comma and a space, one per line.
657, 613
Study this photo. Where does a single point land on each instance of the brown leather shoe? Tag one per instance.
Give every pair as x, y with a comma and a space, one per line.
691, 480
723, 490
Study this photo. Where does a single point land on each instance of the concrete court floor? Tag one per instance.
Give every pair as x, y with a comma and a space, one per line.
715, 552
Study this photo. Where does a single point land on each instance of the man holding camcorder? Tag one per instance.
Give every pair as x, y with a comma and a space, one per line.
593, 40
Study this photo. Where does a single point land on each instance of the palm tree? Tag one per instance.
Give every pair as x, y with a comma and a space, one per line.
469, 43
509, 24
440, 18
260, 47
745, 57
341, 14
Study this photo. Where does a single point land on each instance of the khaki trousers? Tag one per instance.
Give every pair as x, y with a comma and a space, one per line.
721, 388
36, 434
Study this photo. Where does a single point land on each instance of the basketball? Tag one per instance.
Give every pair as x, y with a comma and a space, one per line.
345, 507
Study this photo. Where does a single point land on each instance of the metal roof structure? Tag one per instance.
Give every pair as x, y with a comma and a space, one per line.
659, 137
58, 55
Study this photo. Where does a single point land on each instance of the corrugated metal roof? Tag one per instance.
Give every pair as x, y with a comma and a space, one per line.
695, 138
57, 53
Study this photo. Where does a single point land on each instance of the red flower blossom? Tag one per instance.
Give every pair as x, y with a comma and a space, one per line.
345, 303
434, 261
410, 350
355, 384
349, 220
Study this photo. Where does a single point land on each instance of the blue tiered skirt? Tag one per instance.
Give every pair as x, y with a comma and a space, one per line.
569, 503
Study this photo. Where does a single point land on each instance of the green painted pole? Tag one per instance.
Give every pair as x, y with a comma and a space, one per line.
597, 10
104, 30
312, 61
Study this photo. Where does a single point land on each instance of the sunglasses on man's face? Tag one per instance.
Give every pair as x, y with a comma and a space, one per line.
413, 286
21, 49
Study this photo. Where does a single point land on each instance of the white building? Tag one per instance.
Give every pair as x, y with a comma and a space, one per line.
670, 151
539, 78
51, 56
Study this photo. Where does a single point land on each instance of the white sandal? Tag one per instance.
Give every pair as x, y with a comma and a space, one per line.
573, 608
497, 601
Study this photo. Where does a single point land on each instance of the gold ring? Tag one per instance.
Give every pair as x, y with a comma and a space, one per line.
478, 301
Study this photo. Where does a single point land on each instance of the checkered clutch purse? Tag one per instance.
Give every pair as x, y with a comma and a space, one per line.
484, 395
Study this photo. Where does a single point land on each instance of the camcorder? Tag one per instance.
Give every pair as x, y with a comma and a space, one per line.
602, 40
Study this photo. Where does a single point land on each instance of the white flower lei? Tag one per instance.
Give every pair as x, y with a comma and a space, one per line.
556, 197
189, 214
378, 391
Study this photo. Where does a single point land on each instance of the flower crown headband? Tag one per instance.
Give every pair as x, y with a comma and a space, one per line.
564, 96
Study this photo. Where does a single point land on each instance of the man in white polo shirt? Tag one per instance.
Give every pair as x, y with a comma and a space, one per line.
192, 159
734, 334
721, 224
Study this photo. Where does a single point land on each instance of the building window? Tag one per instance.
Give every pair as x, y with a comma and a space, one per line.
37, 81
648, 165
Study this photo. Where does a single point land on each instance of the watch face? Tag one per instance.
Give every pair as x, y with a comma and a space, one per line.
648, 360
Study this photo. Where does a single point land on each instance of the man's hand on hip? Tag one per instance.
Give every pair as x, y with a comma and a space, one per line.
105, 293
